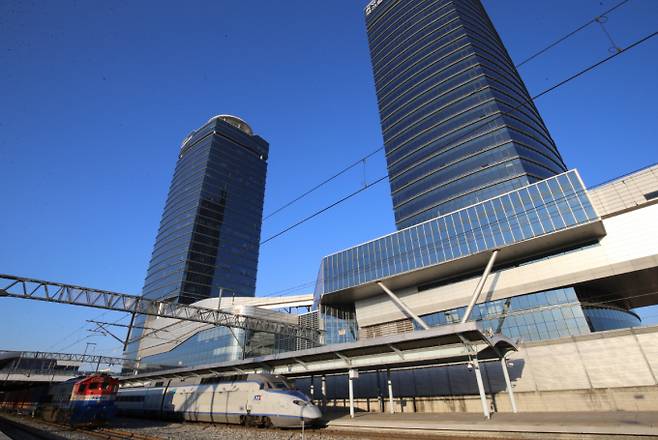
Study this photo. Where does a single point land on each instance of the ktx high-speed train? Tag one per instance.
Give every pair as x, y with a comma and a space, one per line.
250, 399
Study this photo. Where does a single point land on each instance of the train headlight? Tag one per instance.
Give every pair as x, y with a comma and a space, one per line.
299, 402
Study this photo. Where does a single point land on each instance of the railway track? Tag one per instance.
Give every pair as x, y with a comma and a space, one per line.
17, 430
28, 431
116, 434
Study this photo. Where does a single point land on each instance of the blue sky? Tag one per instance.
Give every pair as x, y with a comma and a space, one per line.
96, 97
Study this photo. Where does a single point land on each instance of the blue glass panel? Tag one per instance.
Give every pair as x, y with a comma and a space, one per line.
541, 207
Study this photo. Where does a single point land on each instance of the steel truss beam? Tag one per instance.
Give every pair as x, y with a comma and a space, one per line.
28, 288
66, 357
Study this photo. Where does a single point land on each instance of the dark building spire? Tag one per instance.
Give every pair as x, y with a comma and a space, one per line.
210, 230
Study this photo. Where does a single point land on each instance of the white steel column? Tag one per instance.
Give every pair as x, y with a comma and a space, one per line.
483, 396
312, 389
508, 383
403, 306
323, 389
351, 389
389, 383
480, 286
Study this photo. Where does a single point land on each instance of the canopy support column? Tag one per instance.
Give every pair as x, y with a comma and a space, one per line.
483, 396
389, 382
323, 389
312, 389
480, 286
508, 383
351, 373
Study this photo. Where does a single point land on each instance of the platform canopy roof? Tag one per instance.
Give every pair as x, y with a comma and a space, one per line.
455, 343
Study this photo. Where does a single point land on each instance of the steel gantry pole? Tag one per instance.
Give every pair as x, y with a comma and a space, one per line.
480, 286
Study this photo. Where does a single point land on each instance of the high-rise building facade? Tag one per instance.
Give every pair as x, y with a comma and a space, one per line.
210, 230
458, 123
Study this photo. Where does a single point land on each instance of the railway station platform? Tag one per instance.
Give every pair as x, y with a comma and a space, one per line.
552, 425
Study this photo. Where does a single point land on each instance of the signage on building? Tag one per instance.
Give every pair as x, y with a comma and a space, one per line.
372, 5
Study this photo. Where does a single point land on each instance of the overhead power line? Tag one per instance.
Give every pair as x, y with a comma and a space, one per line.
326, 208
324, 182
570, 34
496, 115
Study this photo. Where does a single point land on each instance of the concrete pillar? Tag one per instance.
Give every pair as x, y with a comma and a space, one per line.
508, 383
389, 382
483, 396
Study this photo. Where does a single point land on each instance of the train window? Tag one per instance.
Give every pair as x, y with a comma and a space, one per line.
93, 386
82, 388
224, 379
158, 384
130, 398
280, 384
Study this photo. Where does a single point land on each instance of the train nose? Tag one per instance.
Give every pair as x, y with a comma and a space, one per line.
312, 413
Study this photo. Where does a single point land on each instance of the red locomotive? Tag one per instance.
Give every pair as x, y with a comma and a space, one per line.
87, 400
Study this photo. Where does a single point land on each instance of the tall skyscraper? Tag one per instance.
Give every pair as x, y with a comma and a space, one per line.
458, 123
210, 230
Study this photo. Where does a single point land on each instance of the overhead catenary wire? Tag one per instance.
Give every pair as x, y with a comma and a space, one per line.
481, 119
324, 182
570, 34
326, 208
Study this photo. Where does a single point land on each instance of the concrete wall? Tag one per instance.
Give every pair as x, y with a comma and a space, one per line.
626, 192
607, 371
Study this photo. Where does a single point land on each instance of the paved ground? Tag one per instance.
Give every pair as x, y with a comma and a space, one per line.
583, 424
204, 431
407, 426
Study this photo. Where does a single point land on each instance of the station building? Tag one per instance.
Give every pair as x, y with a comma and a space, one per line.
562, 269
571, 265
493, 230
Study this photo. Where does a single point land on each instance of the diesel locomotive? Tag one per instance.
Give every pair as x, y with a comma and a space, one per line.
81, 401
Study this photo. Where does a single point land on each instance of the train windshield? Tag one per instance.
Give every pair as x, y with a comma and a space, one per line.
301, 395
278, 383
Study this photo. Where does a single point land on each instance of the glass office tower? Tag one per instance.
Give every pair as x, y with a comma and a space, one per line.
210, 230
458, 124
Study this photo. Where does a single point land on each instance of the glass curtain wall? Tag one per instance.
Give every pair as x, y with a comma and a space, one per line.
458, 123
548, 206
